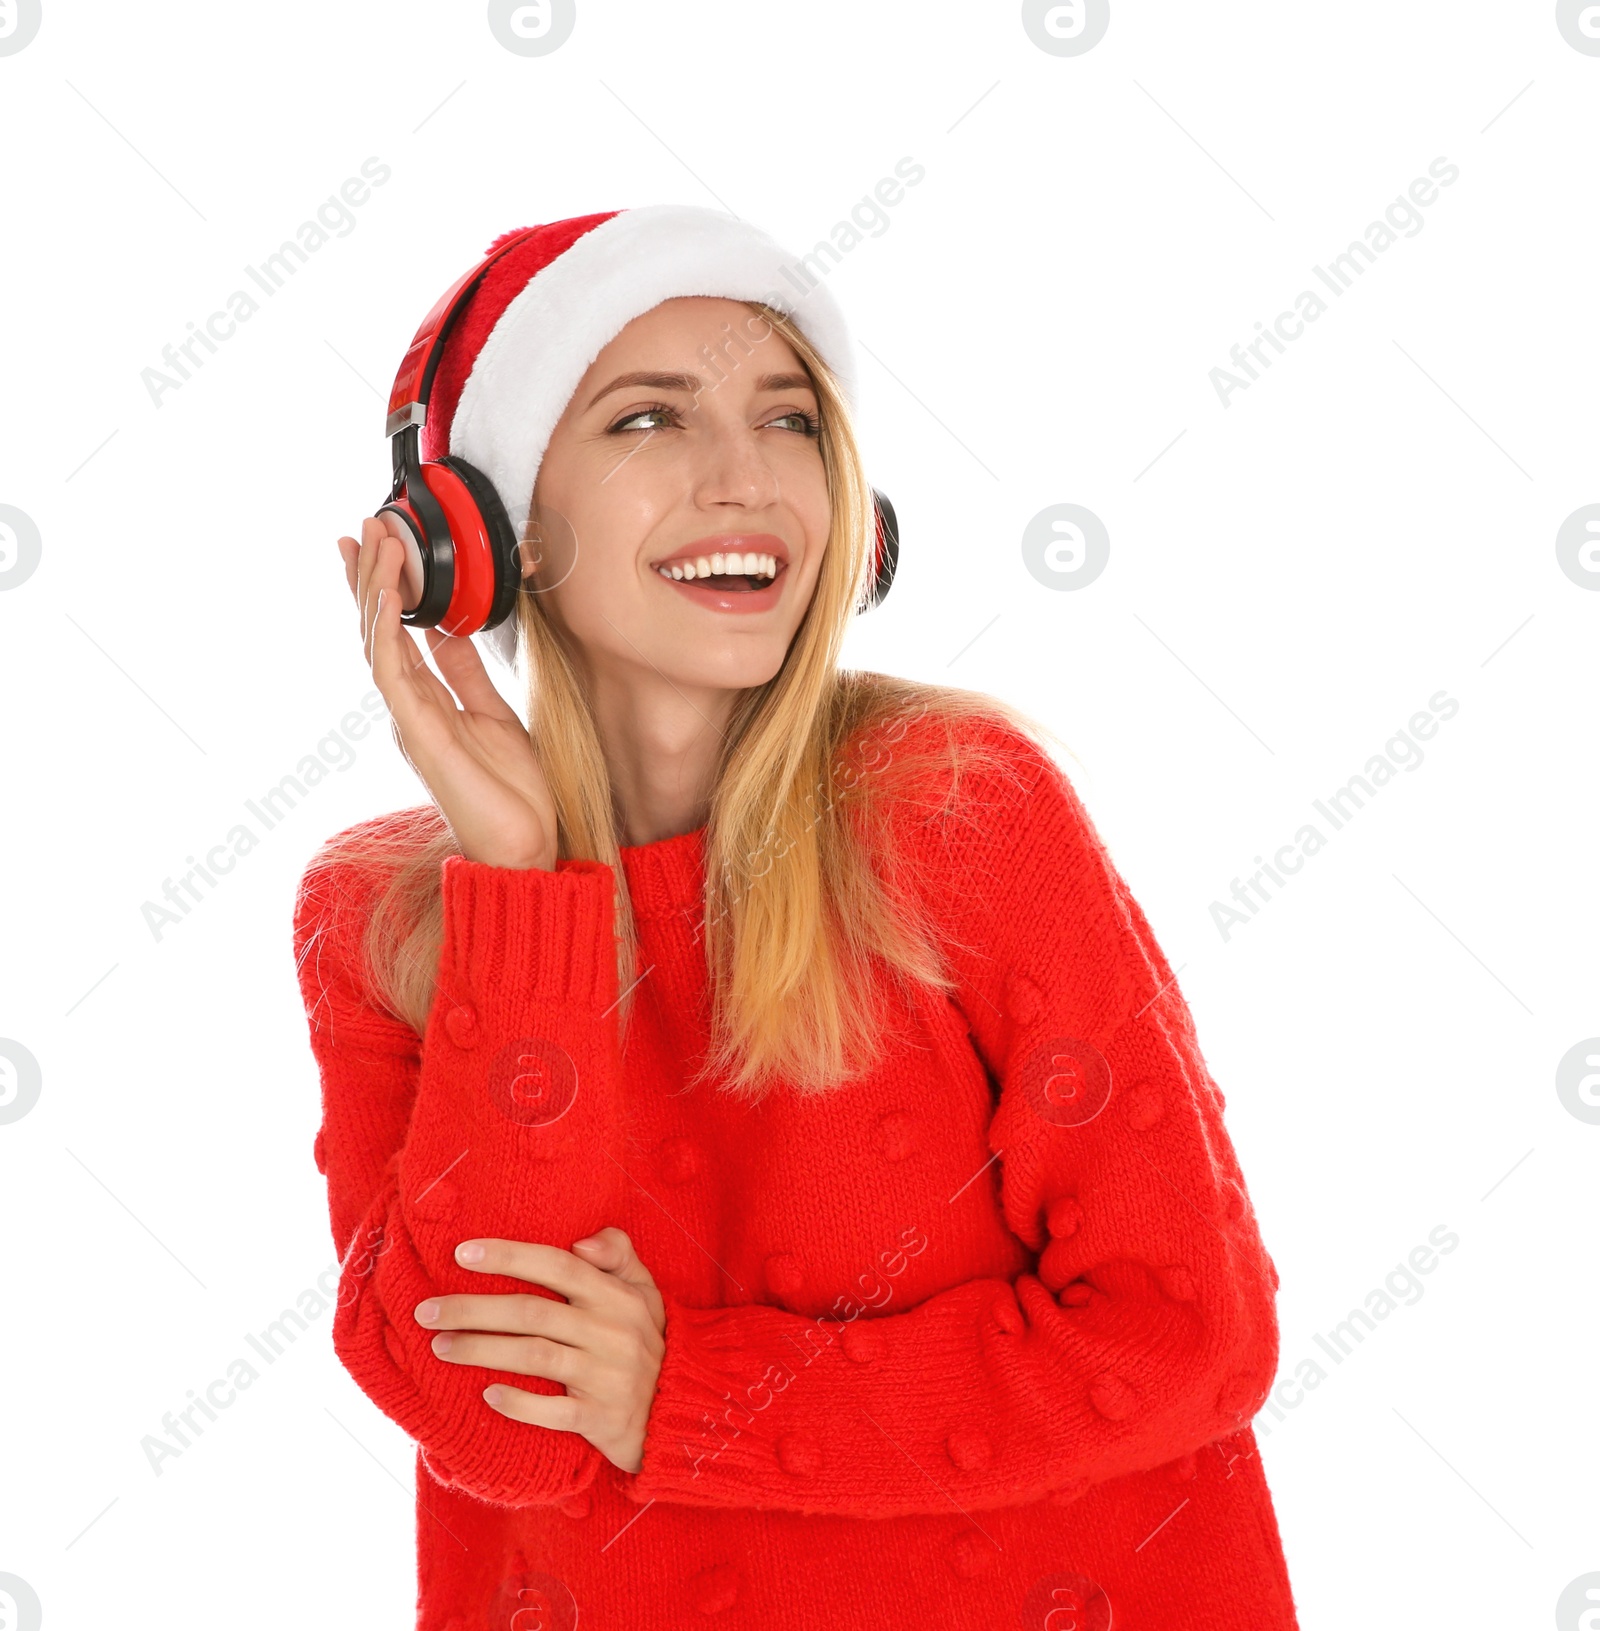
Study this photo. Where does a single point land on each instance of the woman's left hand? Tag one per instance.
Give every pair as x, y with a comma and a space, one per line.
604, 1344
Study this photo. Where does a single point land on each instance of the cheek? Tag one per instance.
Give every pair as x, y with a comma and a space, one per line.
612, 497
591, 535
805, 487
586, 510
817, 505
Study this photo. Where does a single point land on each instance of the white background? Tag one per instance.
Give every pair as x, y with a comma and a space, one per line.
1290, 580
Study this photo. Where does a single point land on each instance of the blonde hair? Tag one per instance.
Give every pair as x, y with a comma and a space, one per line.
805, 891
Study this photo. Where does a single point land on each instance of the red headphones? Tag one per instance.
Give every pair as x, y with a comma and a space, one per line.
462, 562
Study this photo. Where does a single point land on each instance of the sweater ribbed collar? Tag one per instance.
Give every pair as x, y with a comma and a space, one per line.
666, 876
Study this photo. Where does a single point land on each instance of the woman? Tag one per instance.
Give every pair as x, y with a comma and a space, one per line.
773, 1168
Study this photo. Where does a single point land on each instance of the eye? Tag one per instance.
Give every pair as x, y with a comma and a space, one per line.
809, 423
643, 413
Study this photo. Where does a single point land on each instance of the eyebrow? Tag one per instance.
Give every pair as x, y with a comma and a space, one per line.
693, 382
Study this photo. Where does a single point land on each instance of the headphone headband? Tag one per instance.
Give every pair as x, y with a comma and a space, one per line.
408, 397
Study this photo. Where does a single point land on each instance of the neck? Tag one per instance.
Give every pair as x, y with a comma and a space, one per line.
662, 742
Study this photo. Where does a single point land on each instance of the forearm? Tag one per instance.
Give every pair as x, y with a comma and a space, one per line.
514, 1115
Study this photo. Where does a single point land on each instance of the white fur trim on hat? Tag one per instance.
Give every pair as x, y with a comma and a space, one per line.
545, 340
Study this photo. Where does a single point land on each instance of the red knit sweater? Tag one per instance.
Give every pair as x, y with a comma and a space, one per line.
973, 1342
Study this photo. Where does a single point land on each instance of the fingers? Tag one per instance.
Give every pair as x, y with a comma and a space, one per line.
481, 748
398, 667
582, 1284
607, 1359
379, 560
377, 567
350, 554
557, 1410
374, 568
611, 1249
461, 663
522, 1356
513, 1314
388, 652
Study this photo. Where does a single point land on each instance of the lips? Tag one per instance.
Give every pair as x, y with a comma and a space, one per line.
722, 591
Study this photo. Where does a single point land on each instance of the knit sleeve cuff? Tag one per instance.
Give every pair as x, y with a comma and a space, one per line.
548, 931
707, 1412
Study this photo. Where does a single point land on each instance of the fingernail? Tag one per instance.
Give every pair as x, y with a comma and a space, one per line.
471, 1252
427, 1312
588, 1240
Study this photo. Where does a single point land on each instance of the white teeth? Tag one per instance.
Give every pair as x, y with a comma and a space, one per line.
752, 565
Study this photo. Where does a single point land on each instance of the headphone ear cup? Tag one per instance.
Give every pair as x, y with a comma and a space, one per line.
501, 535
886, 548
417, 575
418, 519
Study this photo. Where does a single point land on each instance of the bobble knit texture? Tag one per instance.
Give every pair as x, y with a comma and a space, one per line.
965, 1343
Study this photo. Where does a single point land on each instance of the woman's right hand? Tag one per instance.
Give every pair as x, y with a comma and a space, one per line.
477, 760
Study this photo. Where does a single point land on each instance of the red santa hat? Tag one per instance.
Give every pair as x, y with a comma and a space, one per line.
547, 308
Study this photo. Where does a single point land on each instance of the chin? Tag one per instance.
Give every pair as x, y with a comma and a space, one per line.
727, 665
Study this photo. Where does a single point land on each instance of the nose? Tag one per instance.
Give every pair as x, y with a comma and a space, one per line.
735, 469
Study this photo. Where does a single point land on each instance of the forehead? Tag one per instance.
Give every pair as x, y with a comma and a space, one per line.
676, 333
